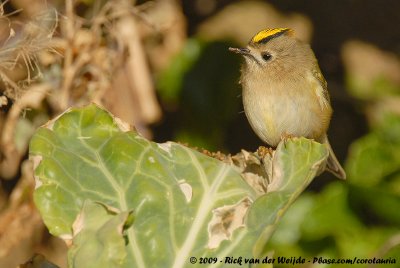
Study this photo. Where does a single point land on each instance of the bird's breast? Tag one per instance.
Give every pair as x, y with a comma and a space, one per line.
275, 110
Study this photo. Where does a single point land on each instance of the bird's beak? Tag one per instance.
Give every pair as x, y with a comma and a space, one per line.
242, 51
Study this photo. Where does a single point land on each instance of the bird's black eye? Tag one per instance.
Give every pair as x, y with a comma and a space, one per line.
266, 56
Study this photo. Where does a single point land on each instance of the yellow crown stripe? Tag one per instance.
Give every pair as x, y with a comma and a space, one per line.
268, 33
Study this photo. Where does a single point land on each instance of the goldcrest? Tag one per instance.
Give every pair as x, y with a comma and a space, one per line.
284, 91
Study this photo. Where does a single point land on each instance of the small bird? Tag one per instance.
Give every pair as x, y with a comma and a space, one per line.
284, 91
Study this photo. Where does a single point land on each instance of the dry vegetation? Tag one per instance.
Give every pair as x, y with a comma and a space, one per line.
52, 59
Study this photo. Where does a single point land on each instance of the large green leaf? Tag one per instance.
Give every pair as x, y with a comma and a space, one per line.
183, 203
98, 237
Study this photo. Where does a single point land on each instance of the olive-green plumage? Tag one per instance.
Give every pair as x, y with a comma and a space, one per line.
284, 92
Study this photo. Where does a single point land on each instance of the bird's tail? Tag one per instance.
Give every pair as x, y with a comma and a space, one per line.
332, 164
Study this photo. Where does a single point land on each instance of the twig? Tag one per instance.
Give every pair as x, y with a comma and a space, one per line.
68, 71
31, 98
141, 83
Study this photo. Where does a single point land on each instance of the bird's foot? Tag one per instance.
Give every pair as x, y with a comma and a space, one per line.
285, 137
262, 151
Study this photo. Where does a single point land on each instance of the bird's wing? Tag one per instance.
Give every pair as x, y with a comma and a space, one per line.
321, 88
